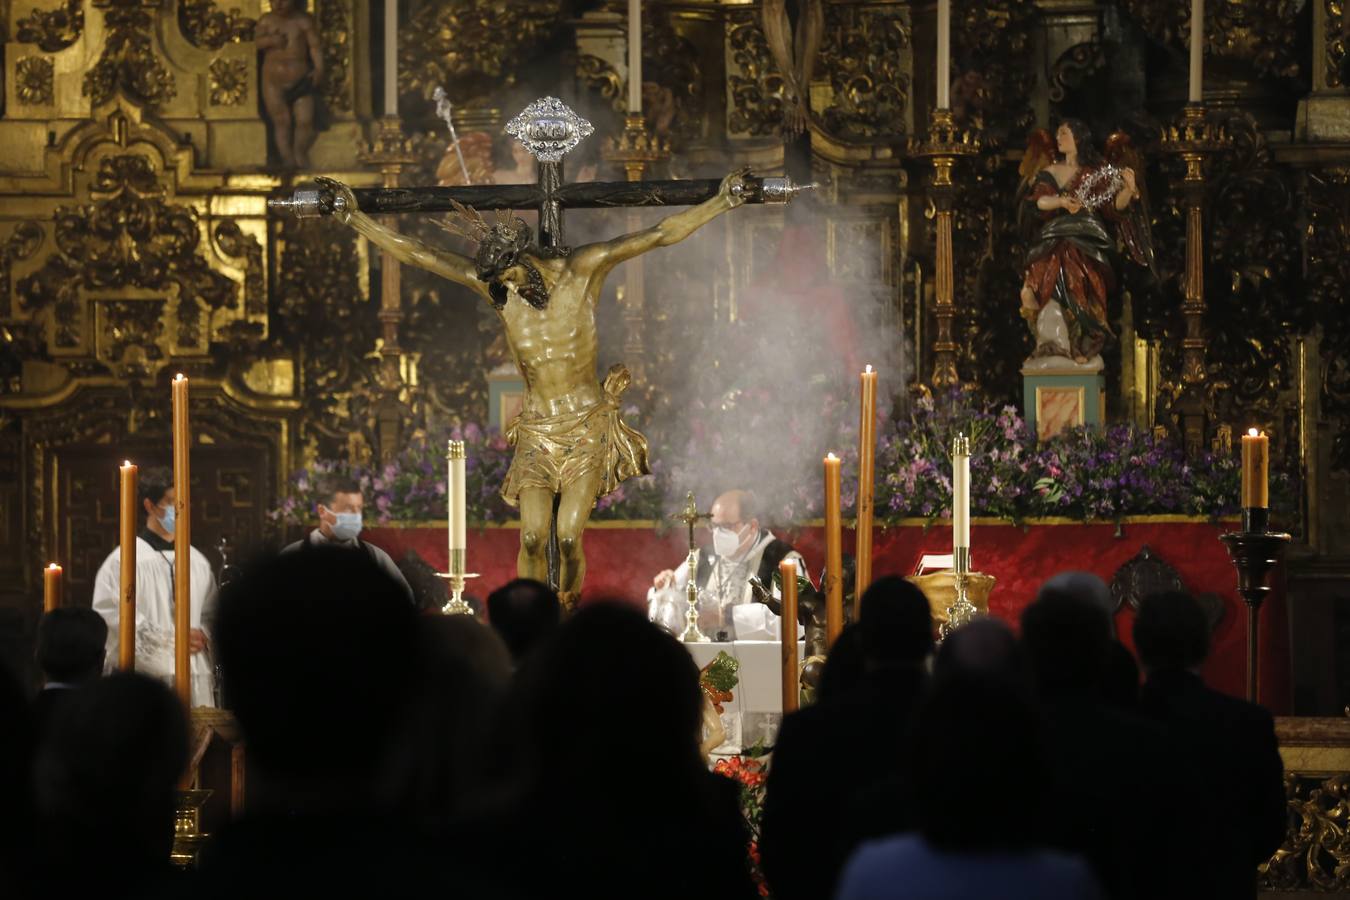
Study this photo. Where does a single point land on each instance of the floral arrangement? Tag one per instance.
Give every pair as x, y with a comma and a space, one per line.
749, 773
1085, 473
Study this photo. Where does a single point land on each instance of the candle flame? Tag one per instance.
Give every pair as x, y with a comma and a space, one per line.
53, 566
126, 464
831, 456
178, 377
1253, 432
869, 369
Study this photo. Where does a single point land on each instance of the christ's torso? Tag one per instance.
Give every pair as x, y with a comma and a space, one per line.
555, 347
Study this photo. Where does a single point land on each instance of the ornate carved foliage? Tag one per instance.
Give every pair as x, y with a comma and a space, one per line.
228, 81
1256, 32
34, 80
753, 82
324, 322
206, 26
599, 76
128, 251
866, 55
1074, 66
992, 60
670, 61
1316, 851
1337, 61
52, 29
1328, 290
473, 48
21, 244
128, 62
335, 35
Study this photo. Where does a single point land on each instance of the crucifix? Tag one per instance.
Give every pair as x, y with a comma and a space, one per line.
571, 445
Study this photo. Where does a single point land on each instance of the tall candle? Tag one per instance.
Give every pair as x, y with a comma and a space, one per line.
455, 456
182, 546
834, 553
51, 588
635, 57
391, 57
1196, 92
961, 492
944, 54
787, 573
867, 445
126, 614
1255, 470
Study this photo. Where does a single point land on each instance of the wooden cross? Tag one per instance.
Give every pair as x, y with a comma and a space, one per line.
549, 130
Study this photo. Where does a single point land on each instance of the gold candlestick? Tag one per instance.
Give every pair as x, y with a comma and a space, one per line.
690, 516
182, 545
126, 629
944, 144
1195, 138
962, 610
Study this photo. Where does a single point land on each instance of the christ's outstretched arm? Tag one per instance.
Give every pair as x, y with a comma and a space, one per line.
602, 257
409, 250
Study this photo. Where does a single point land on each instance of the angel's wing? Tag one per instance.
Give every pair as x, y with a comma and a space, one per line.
1040, 153
1136, 233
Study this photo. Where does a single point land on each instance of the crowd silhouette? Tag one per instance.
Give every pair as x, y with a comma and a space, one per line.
393, 752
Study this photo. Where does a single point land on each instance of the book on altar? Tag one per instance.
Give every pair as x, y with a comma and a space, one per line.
935, 562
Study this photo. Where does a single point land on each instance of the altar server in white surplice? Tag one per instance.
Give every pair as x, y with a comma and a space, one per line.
155, 564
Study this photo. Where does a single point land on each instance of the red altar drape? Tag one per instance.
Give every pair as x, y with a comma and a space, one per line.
622, 560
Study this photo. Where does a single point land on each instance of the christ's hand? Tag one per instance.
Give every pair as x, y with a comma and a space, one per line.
341, 211
734, 187
196, 640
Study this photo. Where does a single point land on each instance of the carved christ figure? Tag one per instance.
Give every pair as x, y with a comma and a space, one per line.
570, 442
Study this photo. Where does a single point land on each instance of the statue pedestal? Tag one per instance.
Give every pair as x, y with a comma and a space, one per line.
1056, 399
506, 395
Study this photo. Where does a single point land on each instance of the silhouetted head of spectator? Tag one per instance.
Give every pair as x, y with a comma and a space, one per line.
1085, 586
1120, 678
897, 626
845, 668
961, 718
105, 776
71, 644
440, 757
1066, 638
984, 647
306, 640
524, 612
1171, 632
609, 669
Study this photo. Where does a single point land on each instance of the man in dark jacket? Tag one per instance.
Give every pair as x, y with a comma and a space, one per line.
836, 777
1232, 778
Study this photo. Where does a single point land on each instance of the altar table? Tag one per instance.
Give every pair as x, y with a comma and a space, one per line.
622, 558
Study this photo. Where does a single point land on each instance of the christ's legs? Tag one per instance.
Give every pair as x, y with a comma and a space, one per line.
578, 499
536, 512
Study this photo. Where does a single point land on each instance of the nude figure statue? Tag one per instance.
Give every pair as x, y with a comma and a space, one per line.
570, 442
292, 72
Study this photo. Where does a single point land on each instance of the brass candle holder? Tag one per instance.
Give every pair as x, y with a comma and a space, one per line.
962, 611
1256, 553
944, 143
188, 836
690, 516
1195, 139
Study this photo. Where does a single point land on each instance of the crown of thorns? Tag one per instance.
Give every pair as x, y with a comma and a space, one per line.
468, 222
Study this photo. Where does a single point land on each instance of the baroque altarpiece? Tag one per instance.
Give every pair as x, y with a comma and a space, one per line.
136, 160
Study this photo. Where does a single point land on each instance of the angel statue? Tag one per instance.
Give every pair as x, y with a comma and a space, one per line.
1089, 207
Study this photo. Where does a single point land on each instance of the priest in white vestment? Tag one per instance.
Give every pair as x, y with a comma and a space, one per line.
740, 549
155, 562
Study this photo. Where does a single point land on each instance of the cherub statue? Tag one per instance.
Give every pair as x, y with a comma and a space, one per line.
1078, 198
292, 73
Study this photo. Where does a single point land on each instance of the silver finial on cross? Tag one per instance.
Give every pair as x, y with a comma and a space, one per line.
548, 129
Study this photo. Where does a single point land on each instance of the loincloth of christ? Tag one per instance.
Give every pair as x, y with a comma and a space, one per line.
553, 452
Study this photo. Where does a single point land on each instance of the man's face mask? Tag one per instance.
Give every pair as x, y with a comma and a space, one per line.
347, 526
168, 518
726, 541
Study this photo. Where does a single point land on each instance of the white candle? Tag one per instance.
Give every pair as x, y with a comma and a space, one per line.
635, 57
455, 490
944, 54
961, 492
1196, 92
391, 57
